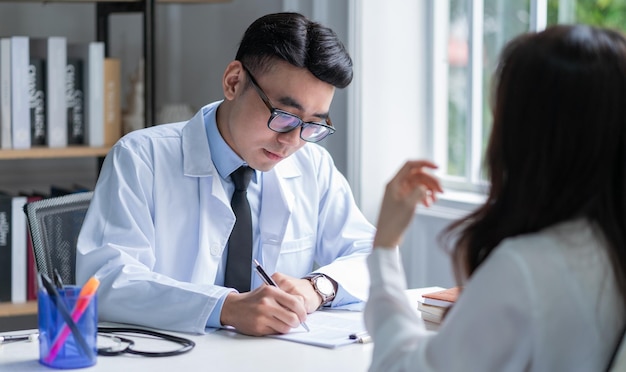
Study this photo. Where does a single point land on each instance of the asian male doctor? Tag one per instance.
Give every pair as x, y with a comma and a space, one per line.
157, 230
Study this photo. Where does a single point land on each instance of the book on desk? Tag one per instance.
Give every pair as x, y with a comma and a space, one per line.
434, 305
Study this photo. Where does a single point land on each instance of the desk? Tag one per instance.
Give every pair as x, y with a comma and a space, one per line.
220, 351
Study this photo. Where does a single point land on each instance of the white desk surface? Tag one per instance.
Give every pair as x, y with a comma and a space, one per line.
219, 351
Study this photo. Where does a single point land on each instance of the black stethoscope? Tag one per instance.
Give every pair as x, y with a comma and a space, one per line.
128, 344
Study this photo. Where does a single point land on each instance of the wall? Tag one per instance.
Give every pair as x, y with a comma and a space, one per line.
393, 93
393, 46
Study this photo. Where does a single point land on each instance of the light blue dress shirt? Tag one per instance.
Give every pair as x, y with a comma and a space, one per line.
226, 162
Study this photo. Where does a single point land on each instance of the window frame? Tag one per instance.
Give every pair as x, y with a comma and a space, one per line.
472, 181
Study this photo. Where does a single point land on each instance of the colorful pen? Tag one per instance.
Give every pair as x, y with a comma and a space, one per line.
269, 281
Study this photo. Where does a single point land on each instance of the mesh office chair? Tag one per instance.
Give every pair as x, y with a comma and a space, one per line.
54, 225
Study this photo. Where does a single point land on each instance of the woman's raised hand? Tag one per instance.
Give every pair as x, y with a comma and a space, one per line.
411, 186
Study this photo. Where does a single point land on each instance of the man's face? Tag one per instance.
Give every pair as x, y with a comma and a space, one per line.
244, 127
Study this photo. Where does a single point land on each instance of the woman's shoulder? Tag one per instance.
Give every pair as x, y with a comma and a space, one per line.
573, 248
568, 234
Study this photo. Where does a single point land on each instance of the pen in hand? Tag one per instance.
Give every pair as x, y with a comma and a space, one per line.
268, 280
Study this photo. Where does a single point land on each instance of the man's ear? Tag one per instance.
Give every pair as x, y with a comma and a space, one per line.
233, 80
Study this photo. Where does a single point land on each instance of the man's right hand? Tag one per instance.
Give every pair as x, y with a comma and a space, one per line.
264, 311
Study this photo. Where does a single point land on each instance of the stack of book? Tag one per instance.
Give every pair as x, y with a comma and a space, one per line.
54, 93
434, 305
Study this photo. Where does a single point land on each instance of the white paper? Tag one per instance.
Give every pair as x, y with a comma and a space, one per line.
328, 329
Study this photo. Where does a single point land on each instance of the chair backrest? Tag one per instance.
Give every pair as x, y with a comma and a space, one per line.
54, 224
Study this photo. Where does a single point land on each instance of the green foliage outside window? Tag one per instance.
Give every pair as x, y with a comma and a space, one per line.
606, 13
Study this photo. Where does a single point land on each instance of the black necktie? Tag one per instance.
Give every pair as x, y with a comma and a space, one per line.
239, 260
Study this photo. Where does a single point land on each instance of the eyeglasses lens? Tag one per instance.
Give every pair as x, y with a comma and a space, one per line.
282, 123
313, 133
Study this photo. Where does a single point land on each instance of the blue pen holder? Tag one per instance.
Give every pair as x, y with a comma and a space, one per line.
69, 353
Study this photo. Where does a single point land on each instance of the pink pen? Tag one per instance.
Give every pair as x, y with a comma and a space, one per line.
84, 297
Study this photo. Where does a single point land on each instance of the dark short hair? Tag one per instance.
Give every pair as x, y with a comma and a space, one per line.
293, 38
557, 150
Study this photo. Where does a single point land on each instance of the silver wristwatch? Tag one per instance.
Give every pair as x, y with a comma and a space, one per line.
323, 286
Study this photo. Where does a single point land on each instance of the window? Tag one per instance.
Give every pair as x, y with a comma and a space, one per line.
474, 32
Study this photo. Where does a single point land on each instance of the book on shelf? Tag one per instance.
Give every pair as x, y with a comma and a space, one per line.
75, 98
53, 51
56, 190
92, 55
20, 111
13, 255
5, 94
112, 101
31, 266
5, 249
37, 100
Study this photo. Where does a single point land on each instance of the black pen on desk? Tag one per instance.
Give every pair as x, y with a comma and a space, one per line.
17, 338
268, 280
361, 337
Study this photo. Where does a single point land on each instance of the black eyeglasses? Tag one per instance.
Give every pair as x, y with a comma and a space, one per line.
282, 121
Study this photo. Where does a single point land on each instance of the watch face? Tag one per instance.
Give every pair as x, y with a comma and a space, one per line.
325, 286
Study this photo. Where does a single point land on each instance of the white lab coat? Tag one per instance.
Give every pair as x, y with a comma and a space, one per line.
160, 219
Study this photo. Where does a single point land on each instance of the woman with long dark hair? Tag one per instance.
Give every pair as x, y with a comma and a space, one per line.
542, 263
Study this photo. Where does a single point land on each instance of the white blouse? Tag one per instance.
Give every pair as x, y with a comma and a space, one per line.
540, 302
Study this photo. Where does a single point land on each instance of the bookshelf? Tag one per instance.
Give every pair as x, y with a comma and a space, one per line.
10, 309
54, 153
106, 8
22, 316
14, 317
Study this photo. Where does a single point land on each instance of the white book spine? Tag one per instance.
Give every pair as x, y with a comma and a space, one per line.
6, 141
435, 302
95, 91
20, 111
18, 253
56, 103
